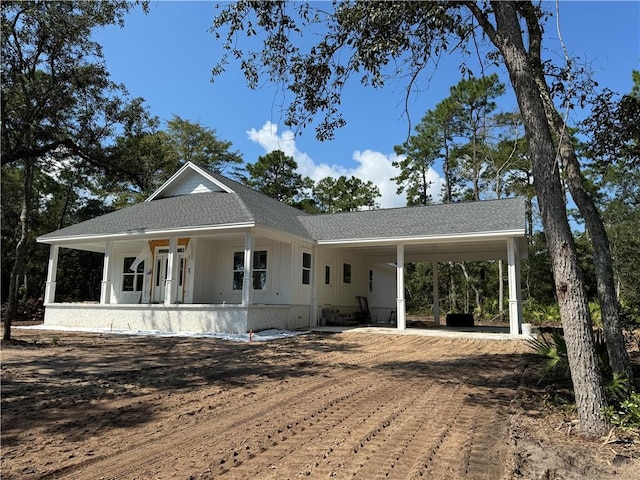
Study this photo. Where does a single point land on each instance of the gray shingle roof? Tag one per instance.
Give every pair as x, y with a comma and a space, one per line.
166, 213
420, 221
196, 210
249, 206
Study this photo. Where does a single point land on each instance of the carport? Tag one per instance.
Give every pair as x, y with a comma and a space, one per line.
474, 231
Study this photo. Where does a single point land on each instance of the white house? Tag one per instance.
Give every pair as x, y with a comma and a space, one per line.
205, 253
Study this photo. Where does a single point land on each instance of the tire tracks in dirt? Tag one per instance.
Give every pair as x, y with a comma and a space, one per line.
364, 413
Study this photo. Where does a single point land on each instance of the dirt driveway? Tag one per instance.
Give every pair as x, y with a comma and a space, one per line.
90, 406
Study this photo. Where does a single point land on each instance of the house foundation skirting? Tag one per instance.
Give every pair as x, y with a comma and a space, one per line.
178, 318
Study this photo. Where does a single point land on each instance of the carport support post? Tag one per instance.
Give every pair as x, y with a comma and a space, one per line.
246, 279
105, 285
169, 291
436, 296
401, 318
515, 292
52, 270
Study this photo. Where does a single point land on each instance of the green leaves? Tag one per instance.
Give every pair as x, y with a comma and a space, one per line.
476, 146
196, 143
56, 91
344, 194
275, 175
553, 351
375, 42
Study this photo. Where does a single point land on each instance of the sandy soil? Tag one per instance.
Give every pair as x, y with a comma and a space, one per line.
90, 406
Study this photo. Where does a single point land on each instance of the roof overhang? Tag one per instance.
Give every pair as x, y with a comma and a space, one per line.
96, 243
459, 247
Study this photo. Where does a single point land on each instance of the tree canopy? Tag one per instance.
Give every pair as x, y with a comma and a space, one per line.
274, 174
342, 194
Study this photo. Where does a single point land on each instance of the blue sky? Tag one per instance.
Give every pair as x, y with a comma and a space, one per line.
166, 57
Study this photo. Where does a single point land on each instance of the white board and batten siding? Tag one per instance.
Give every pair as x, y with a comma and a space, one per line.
218, 272
189, 183
337, 292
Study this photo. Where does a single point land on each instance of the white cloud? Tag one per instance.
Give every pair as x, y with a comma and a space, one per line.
371, 165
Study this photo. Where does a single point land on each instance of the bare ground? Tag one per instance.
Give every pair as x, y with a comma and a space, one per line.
89, 406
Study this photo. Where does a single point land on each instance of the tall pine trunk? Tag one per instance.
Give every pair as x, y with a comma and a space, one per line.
614, 337
21, 247
574, 311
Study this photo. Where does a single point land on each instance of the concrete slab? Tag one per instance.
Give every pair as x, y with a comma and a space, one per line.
483, 333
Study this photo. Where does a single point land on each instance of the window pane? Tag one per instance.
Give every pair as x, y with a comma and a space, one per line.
139, 280
127, 283
260, 260
238, 261
140, 268
306, 276
259, 280
346, 273
327, 275
306, 260
237, 280
128, 261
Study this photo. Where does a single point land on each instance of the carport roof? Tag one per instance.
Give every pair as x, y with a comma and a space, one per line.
454, 219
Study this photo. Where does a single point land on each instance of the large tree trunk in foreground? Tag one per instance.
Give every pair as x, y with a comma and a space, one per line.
574, 311
614, 337
21, 247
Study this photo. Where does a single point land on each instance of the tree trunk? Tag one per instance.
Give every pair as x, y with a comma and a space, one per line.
529, 215
574, 311
614, 337
21, 247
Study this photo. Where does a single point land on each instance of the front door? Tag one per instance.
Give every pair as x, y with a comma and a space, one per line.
160, 269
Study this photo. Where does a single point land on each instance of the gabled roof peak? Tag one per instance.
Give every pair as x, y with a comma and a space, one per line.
189, 179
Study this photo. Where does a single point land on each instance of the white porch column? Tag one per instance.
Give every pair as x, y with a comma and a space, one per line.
436, 294
400, 307
170, 282
52, 270
105, 285
247, 283
515, 291
313, 318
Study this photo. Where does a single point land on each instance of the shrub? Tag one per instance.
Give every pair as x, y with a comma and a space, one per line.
553, 351
626, 414
538, 314
624, 404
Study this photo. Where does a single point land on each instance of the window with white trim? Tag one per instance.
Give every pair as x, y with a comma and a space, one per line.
132, 280
306, 268
260, 270
238, 270
259, 267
